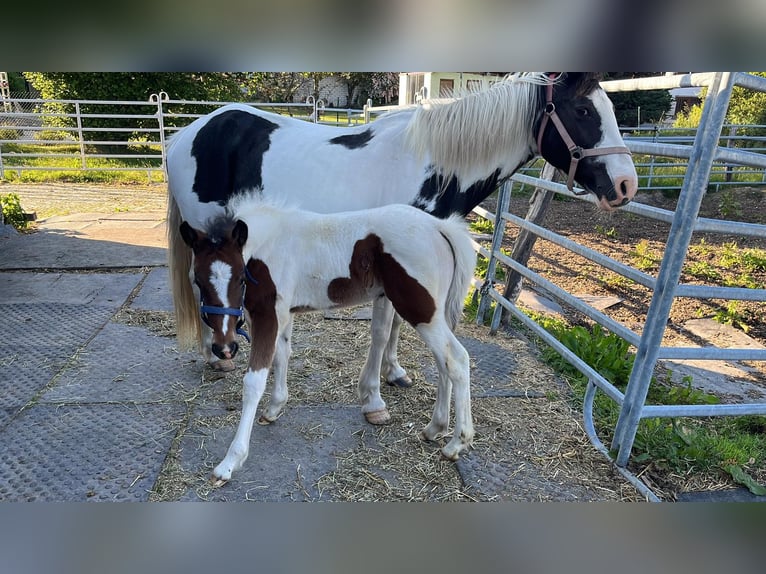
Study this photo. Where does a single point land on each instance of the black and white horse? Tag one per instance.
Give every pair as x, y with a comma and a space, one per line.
444, 157
272, 262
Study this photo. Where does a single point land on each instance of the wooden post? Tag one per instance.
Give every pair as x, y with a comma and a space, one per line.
522, 247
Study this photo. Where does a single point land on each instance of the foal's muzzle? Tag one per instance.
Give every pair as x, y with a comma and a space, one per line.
221, 351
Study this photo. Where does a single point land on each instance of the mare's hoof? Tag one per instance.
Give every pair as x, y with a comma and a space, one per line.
381, 417
403, 382
223, 366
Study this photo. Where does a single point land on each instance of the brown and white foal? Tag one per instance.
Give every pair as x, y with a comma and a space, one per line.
274, 262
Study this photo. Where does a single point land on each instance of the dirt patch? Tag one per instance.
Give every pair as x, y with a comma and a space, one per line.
640, 242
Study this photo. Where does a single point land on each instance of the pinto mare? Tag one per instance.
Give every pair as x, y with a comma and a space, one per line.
444, 157
304, 261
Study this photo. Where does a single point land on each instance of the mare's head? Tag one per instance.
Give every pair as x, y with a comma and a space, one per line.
220, 276
578, 134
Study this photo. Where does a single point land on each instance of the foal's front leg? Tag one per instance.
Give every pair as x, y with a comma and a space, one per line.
253, 385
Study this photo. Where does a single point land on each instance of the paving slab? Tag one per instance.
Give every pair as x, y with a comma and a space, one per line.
733, 379
95, 289
67, 242
108, 452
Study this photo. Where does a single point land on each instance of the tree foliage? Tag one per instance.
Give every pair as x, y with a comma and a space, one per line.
125, 86
747, 106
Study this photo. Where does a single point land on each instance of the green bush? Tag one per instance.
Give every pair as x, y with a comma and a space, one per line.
12, 211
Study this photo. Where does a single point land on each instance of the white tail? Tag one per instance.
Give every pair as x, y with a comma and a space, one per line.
454, 231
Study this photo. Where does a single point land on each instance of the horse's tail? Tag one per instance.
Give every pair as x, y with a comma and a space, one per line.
188, 329
456, 233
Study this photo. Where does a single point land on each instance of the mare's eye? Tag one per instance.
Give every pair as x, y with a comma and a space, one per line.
582, 112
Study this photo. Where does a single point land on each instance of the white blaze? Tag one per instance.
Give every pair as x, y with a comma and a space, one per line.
220, 275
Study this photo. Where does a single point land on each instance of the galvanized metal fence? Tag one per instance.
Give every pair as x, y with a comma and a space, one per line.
110, 136
701, 157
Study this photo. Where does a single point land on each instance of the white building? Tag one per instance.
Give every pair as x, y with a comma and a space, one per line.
416, 86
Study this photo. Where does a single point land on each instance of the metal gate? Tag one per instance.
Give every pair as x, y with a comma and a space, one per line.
665, 286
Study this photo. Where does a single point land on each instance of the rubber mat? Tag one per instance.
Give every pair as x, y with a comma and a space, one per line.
155, 292
126, 363
78, 453
38, 339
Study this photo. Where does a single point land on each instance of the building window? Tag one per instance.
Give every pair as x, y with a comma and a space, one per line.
473, 86
446, 88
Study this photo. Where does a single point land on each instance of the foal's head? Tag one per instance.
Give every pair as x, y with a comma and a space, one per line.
220, 276
587, 116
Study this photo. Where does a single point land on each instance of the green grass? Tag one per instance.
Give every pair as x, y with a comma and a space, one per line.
723, 446
70, 169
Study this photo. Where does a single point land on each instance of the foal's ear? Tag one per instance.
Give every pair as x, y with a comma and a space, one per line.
188, 234
239, 233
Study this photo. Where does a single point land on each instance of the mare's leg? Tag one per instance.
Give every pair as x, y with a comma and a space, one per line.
279, 393
393, 372
373, 406
253, 385
454, 374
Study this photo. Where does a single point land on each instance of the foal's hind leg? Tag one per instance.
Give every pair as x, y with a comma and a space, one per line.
453, 364
393, 372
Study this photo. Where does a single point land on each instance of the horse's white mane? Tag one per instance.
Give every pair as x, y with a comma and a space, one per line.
456, 133
253, 201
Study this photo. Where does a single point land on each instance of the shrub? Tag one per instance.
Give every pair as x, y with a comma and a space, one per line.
12, 211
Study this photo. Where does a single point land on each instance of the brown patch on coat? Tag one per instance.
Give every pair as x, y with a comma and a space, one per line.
362, 271
370, 267
260, 302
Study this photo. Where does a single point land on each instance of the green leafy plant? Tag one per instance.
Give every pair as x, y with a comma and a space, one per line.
731, 316
12, 211
643, 256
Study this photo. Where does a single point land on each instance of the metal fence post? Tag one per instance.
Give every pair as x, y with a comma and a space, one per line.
80, 135
498, 232
689, 201
160, 99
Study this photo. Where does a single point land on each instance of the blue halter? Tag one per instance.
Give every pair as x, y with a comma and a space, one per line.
206, 310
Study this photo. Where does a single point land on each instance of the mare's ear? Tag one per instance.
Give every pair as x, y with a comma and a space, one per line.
188, 234
239, 233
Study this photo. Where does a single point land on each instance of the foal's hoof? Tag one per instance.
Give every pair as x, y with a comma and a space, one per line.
223, 366
403, 382
216, 482
263, 420
380, 417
